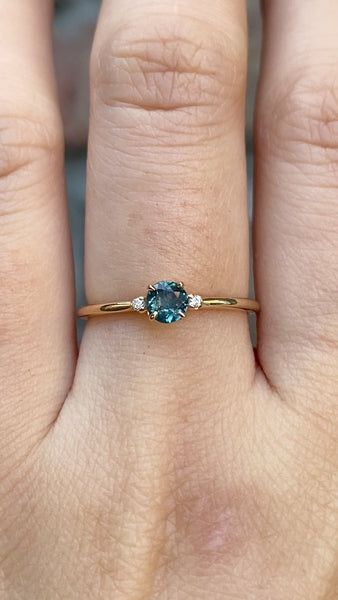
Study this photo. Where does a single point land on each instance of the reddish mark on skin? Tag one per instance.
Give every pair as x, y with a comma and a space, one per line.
219, 534
211, 526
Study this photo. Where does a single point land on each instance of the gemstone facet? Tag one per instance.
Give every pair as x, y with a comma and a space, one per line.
167, 301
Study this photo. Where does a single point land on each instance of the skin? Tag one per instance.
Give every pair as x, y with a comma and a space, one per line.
171, 463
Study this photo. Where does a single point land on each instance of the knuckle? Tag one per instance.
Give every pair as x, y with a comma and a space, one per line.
171, 65
29, 144
302, 117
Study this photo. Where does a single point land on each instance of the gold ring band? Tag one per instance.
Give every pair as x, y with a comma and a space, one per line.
167, 302
95, 310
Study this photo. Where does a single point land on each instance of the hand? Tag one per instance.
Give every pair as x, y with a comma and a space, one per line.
165, 462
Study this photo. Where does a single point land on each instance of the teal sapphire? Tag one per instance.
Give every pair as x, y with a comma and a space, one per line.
167, 301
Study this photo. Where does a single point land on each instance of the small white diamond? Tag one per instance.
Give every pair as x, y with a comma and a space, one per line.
138, 304
195, 301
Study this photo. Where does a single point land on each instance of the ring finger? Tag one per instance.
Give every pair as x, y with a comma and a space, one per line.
166, 200
166, 197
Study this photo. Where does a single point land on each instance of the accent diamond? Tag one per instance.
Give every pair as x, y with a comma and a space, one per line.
195, 301
138, 304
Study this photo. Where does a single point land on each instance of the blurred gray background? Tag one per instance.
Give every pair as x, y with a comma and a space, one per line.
74, 29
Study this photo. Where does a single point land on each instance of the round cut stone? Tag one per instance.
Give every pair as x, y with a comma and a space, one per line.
138, 304
195, 301
167, 301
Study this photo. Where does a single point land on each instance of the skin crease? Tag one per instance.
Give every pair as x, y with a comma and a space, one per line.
171, 463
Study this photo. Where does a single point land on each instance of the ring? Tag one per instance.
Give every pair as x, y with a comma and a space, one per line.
168, 302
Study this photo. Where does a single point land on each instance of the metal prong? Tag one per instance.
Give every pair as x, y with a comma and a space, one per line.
151, 288
181, 284
182, 314
152, 316
195, 301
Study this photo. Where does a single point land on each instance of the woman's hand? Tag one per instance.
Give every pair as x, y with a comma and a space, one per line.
165, 462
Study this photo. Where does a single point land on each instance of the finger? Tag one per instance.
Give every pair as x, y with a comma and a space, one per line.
36, 293
296, 196
166, 181
166, 199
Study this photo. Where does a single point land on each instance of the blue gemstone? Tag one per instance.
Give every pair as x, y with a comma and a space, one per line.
167, 302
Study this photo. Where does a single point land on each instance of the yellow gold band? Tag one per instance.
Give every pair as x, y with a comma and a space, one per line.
167, 302
94, 310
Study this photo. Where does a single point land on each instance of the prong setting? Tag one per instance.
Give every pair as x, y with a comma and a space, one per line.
167, 301
139, 304
195, 301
